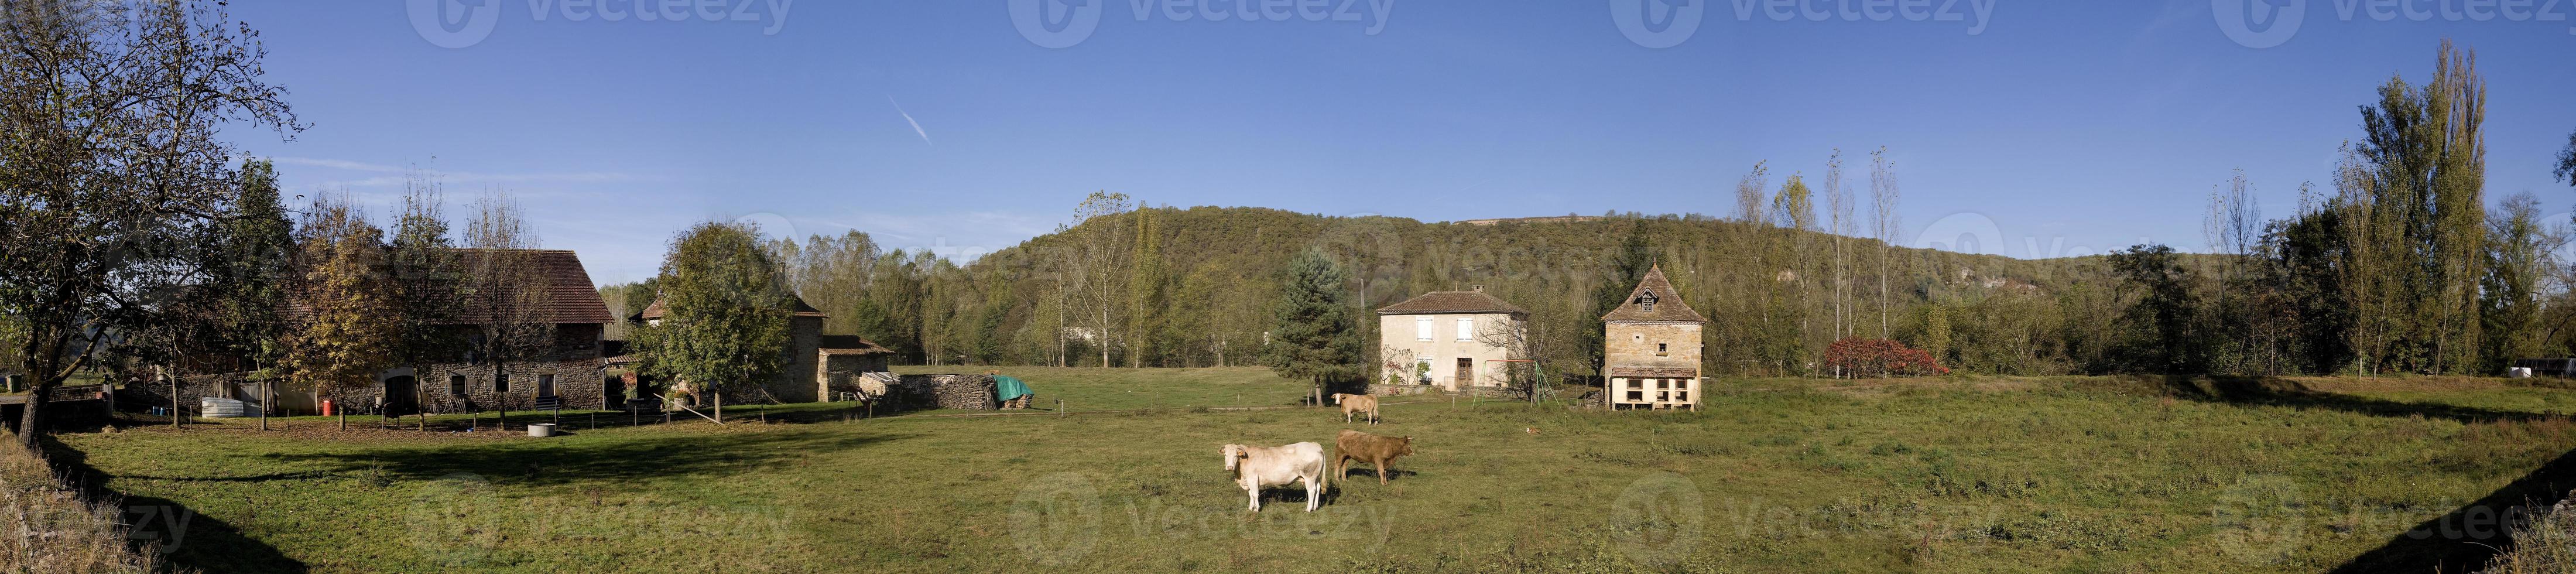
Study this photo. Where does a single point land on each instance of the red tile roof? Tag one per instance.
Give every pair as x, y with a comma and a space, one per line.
656, 310
1668, 302
569, 296
1447, 302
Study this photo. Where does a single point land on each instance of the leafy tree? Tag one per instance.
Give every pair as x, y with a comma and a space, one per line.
1627, 266
1313, 335
113, 166
2519, 254
2567, 161
2165, 311
2424, 156
726, 311
348, 328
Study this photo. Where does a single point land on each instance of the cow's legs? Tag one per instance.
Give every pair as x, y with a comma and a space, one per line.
1381, 470
1314, 493
1255, 494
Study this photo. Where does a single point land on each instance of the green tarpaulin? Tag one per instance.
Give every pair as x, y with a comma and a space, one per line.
1007, 388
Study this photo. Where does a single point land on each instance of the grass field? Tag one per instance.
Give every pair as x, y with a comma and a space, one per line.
1964, 475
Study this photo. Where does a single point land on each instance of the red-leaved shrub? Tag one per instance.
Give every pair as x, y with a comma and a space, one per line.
1860, 357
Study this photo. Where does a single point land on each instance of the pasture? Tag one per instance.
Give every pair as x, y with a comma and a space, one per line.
1939, 475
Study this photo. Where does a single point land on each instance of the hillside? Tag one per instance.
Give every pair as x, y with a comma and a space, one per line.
1207, 273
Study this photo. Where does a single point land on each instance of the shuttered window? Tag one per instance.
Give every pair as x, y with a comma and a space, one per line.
1422, 329
1467, 329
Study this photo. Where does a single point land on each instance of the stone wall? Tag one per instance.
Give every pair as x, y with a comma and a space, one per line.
1634, 345
803, 369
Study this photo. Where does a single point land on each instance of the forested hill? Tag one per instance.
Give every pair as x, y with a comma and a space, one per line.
1183, 287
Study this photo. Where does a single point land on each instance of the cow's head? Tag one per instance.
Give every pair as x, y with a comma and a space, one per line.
1407, 446
1337, 397
1233, 455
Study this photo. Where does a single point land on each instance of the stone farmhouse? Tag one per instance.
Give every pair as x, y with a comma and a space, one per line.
1652, 348
1448, 340
817, 365
566, 374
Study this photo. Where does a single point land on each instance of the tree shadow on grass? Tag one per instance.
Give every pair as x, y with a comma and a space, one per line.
2290, 393
552, 462
187, 538
2466, 538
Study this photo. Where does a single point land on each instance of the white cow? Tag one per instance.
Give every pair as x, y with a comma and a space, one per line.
1256, 466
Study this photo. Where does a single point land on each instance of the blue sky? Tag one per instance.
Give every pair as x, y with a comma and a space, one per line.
2051, 128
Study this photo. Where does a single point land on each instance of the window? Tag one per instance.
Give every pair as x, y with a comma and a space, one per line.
456, 385
545, 385
1422, 329
1660, 350
1636, 384
1663, 383
1636, 396
1467, 329
501, 382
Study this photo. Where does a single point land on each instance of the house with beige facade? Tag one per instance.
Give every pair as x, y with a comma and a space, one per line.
1448, 340
1651, 354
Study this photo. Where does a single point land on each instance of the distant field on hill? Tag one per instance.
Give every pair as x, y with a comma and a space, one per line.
1957, 475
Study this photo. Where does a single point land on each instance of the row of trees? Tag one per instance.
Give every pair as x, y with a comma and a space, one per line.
2402, 268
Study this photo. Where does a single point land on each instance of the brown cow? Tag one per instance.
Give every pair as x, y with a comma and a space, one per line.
1364, 447
1364, 404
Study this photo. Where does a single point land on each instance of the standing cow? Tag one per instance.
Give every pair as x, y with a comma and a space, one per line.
1364, 404
1255, 467
1373, 449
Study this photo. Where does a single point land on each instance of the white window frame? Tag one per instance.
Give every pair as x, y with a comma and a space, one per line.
1467, 329
1422, 328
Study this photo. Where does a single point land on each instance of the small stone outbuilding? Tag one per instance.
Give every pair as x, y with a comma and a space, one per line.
1652, 351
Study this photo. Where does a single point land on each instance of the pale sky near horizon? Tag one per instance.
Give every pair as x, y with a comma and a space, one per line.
2048, 128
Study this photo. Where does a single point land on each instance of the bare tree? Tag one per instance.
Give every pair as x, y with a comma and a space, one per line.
1102, 260
1883, 225
1751, 204
1838, 213
1519, 342
505, 292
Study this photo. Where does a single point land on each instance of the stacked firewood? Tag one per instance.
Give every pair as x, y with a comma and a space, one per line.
964, 392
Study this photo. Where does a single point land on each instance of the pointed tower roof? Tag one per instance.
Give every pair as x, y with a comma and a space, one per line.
1654, 300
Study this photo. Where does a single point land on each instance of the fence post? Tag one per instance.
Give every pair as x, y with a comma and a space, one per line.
1059, 407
